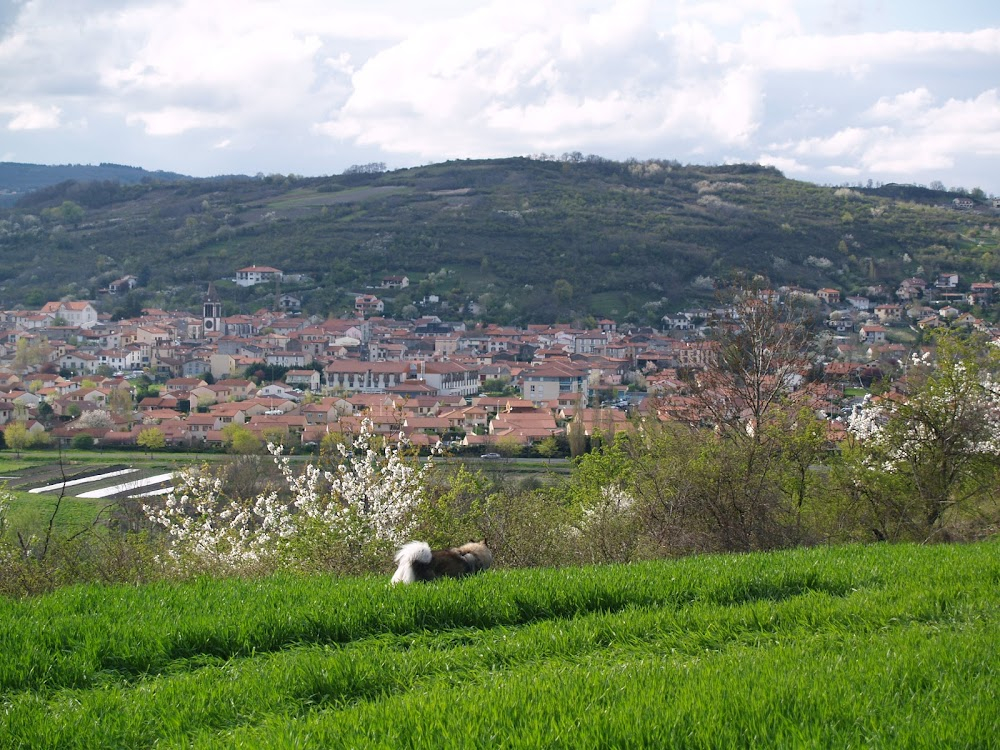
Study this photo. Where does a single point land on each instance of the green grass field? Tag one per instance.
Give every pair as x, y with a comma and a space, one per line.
835, 647
30, 514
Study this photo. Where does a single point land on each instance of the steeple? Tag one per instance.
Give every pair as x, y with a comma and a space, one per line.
212, 313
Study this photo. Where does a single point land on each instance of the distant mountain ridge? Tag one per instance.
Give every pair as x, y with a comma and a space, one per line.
17, 179
511, 241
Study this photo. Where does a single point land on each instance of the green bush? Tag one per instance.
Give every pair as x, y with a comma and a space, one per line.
83, 442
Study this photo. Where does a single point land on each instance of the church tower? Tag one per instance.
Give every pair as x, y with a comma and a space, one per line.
211, 321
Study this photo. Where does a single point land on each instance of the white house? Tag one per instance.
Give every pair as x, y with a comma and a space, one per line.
81, 314
123, 285
120, 360
548, 382
451, 378
305, 379
589, 342
365, 377
252, 275
872, 334
83, 363
858, 302
947, 281
286, 359
395, 282
276, 390
368, 304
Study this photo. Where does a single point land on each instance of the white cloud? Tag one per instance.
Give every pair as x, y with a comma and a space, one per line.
847, 142
531, 81
175, 120
220, 83
494, 75
738, 12
922, 139
248, 63
29, 116
902, 106
858, 53
939, 136
785, 164
976, 119
841, 171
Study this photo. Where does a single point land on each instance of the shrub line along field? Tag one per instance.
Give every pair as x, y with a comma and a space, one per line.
881, 646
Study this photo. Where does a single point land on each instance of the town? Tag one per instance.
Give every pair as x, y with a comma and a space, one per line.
71, 376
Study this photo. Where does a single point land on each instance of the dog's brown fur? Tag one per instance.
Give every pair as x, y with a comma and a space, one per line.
416, 561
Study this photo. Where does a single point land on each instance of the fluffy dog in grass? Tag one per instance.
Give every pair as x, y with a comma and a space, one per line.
416, 561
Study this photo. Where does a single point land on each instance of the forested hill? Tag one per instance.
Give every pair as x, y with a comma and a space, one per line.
511, 240
17, 180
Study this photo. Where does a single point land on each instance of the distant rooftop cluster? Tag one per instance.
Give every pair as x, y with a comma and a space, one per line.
429, 378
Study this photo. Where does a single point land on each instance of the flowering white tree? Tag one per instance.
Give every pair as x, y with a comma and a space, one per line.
5, 497
939, 441
5, 549
95, 419
362, 509
610, 524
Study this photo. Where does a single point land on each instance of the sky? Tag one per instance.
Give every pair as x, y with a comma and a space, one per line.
833, 92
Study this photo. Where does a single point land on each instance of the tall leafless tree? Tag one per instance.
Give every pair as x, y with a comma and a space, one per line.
761, 355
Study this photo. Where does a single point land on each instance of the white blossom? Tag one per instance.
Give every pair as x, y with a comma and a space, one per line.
959, 401
5, 498
614, 501
370, 498
866, 421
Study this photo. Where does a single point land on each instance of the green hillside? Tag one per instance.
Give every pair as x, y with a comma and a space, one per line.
881, 646
524, 240
17, 180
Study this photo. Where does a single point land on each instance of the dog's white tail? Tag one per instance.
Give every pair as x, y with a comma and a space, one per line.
412, 552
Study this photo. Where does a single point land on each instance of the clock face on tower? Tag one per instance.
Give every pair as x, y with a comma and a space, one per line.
208, 325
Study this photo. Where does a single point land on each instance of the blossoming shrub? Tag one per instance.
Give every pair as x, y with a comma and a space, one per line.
5, 498
609, 527
927, 459
349, 518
